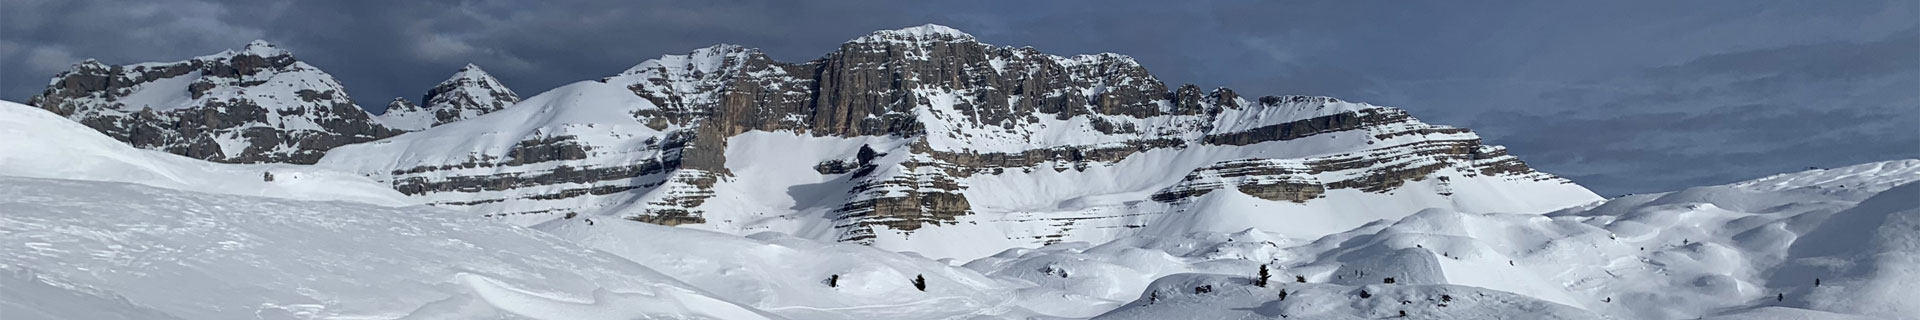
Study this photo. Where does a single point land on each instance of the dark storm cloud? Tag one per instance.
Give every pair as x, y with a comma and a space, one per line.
1623, 96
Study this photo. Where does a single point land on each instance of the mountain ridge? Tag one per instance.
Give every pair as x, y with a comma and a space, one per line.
948, 123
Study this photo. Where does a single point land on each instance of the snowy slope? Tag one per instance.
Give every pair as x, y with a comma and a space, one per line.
583, 123
132, 250
1748, 250
25, 295
789, 276
1175, 297
44, 145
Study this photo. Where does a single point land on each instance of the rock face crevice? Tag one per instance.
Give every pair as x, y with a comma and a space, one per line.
256, 105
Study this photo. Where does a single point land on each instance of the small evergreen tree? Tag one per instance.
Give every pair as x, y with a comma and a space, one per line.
920, 282
1155, 297
1389, 280
1446, 298
268, 176
1262, 281
1283, 294
1300, 279
1364, 294
1816, 282
1781, 298
833, 281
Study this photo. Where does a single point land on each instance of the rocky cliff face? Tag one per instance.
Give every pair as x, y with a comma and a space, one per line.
927, 133
469, 93
258, 104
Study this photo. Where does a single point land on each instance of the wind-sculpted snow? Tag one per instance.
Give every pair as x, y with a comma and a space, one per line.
193, 255
1870, 254
31, 296
966, 142
41, 144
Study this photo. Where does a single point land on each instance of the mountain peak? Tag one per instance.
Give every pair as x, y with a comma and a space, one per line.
257, 88
473, 73
262, 48
708, 60
470, 92
470, 67
920, 33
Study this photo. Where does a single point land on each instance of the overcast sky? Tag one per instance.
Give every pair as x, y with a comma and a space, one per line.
1621, 96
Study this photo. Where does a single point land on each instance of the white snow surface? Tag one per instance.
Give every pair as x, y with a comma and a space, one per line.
41, 144
788, 276
1749, 250
143, 252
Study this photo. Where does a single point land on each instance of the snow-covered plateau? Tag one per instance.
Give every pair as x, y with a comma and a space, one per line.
909, 174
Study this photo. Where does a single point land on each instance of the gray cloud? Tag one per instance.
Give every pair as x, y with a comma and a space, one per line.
1623, 96
1719, 119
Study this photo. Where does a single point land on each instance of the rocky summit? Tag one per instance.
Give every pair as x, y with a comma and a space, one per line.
926, 139
469, 93
258, 104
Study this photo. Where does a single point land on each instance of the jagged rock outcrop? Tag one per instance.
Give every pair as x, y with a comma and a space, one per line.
258, 104
926, 127
469, 93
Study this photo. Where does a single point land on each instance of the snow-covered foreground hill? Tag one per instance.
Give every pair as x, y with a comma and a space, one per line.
86, 250
37, 143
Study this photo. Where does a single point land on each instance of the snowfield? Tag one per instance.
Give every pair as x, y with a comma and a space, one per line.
152, 253
1750, 250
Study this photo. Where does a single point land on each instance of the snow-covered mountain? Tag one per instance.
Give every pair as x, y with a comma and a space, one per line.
927, 139
469, 93
258, 104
